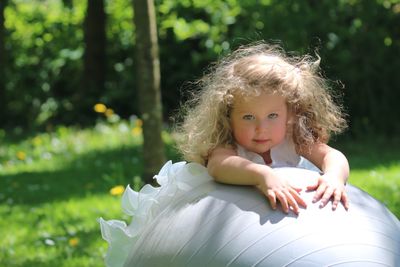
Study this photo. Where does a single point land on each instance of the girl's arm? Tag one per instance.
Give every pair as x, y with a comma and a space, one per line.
227, 167
335, 168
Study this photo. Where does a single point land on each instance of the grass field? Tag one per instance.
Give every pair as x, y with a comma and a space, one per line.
54, 186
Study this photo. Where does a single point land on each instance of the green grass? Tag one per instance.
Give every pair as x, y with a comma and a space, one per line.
375, 168
54, 186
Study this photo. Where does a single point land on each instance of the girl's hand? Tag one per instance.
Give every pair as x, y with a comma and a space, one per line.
327, 187
277, 188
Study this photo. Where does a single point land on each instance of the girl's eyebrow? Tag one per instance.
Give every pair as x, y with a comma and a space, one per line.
240, 108
244, 110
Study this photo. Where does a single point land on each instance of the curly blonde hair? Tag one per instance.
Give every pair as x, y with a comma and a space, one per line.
249, 71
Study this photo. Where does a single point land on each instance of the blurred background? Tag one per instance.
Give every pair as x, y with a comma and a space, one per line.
71, 133
44, 75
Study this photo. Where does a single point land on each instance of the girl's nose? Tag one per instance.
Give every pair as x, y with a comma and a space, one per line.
262, 125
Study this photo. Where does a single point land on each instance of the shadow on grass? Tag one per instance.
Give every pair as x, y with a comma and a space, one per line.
90, 173
98, 171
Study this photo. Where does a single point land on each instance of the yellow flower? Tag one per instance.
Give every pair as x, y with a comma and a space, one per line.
21, 155
73, 242
109, 112
138, 123
117, 190
100, 108
37, 141
136, 131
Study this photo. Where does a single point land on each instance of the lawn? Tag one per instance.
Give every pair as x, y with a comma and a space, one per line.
54, 186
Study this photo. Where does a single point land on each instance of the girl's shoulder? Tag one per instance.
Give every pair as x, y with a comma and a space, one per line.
224, 149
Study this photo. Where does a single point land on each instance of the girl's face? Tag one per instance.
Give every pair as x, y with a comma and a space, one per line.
259, 123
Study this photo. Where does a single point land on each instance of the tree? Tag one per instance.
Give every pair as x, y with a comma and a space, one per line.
94, 57
2, 38
2, 60
148, 85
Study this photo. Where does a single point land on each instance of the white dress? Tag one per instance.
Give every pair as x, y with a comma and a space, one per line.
282, 155
175, 180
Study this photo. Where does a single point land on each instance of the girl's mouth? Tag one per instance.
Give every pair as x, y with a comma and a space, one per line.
260, 141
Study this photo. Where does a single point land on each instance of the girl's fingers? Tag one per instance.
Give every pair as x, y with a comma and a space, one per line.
313, 186
326, 196
292, 202
345, 200
337, 195
272, 198
282, 199
289, 199
320, 191
299, 200
296, 189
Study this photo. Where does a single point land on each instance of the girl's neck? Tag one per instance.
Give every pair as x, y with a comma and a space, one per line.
267, 157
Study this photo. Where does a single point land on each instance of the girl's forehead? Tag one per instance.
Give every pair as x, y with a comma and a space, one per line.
261, 100
261, 96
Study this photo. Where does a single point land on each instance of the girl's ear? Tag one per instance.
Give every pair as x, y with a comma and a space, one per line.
290, 117
290, 123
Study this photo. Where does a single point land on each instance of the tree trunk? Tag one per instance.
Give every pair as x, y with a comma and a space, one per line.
2, 35
148, 84
94, 57
3, 64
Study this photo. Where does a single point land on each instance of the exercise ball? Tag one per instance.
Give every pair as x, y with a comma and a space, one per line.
192, 221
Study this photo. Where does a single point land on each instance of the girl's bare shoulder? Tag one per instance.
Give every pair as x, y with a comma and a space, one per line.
225, 149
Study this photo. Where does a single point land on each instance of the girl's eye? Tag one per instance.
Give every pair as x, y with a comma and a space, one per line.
272, 116
248, 117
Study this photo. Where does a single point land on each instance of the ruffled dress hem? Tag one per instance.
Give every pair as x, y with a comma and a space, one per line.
144, 206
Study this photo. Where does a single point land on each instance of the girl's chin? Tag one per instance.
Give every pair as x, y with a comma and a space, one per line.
260, 149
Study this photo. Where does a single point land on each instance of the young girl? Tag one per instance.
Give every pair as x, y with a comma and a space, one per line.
259, 109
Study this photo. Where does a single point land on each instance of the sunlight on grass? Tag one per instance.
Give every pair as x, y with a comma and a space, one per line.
54, 234
375, 168
52, 151
56, 185
381, 182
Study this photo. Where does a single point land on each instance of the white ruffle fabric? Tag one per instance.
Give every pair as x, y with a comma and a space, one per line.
144, 206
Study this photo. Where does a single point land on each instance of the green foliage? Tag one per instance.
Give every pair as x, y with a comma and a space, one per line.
43, 61
357, 40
